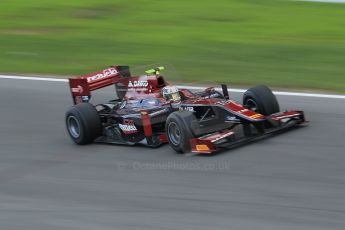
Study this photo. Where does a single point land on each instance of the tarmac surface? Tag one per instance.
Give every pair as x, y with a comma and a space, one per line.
295, 180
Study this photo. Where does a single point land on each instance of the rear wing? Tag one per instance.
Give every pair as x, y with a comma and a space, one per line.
82, 86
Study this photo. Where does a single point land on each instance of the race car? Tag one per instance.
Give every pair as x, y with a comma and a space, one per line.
150, 111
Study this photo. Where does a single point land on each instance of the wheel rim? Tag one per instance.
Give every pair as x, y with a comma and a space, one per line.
174, 133
251, 104
73, 126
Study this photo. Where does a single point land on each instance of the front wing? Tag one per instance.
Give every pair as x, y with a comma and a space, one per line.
226, 139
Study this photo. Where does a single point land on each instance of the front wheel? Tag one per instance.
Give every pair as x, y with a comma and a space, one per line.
178, 130
260, 99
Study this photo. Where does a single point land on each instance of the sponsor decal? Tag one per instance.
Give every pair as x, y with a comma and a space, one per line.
128, 126
231, 118
286, 116
136, 89
85, 98
135, 84
106, 73
79, 89
222, 136
187, 108
225, 102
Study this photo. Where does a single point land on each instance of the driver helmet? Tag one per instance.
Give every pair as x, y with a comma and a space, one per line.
171, 93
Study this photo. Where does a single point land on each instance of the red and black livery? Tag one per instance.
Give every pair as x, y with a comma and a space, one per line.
200, 122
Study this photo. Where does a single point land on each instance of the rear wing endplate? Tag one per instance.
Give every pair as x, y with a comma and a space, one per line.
82, 86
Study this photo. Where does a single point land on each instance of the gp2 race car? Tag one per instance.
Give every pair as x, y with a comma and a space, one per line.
150, 111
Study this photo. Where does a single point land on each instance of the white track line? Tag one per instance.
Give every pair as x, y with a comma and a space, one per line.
324, 1
33, 78
282, 93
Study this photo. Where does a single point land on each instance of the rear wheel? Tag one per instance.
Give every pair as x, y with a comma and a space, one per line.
261, 100
83, 123
178, 130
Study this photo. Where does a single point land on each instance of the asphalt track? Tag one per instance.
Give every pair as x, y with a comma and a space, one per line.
295, 180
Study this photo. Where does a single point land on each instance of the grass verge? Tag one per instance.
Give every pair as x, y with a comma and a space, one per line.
285, 44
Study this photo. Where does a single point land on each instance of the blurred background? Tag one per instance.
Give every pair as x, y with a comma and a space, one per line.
281, 43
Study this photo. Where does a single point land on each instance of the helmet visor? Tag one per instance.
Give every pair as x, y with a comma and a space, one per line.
174, 96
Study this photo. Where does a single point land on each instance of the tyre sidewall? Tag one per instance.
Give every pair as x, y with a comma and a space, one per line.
89, 123
182, 120
74, 112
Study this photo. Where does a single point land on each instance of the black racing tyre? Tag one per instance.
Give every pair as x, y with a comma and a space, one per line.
178, 130
261, 99
83, 123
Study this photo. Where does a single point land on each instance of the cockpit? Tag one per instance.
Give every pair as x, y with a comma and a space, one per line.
140, 104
